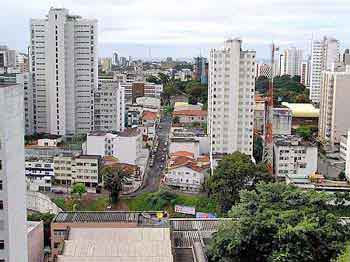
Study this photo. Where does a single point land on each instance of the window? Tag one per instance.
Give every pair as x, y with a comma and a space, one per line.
2, 244
0, 164
1, 204
0, 185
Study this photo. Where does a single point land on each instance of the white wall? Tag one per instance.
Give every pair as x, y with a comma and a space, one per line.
14, 213
191, 147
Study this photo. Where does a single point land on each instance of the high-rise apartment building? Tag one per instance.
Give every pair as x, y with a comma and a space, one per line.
334, 105
8, 59
109, 106
305, 73
291, 61
115, 59
24, 80
200, 71
324, 53
13, 224
346, 57
64, 63
231, 99
264, 70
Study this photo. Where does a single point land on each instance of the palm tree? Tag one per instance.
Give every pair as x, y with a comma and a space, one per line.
113, 181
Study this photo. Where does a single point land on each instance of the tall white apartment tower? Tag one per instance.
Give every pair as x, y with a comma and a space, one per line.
13, 221
231, 99
64, 63
334, 118
290, 61
324, 53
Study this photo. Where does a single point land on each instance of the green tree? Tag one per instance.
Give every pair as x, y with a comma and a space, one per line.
258, 148
113, 181
280, 223
153, 79
176, 120
234, 173
286, 89
79, 188
305, 132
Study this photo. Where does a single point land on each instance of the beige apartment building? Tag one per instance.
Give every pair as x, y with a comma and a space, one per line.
334, 105
70, 169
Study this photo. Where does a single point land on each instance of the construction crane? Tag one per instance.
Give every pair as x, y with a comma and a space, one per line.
268, 148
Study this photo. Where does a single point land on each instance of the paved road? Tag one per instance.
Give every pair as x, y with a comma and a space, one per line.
152, 175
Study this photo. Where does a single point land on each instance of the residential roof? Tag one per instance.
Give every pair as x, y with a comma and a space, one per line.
302, 110
118, 245
182, 153
196, 165
201, 113
148, 115
141, 218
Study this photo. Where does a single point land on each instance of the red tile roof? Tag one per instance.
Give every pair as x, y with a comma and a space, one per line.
190, 113
182, 153
197, 165
148, 115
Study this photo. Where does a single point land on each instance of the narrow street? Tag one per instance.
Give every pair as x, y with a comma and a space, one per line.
153, 174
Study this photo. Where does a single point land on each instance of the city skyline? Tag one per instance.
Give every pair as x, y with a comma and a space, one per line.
134, 27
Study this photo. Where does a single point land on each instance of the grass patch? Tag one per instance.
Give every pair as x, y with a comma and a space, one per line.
83, 204
165, 200
345, 257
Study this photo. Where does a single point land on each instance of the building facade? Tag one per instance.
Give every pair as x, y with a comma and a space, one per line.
125, 146
334, 118
264, 70
291, 61
231, 99
133, 90
63, 60
24, 80
109, 108
13, 225
282, 121
324, 53
294, 157
347, 157
39, 173
71, 169
305, 73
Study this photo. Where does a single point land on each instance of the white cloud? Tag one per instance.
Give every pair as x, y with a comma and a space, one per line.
196, 22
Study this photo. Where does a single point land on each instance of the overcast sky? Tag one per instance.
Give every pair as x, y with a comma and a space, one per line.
184, 28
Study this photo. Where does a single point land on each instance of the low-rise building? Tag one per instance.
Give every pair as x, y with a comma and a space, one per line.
186, 173
126, 146
282, 118
193, 140
191, 116
133, 90
148, 128
70, 169
152, 102
303, 114
35, 236
39, 173
134, 114
130, 236
282, 121
294, 157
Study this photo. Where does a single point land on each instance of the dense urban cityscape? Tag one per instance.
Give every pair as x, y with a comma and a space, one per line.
222, 157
